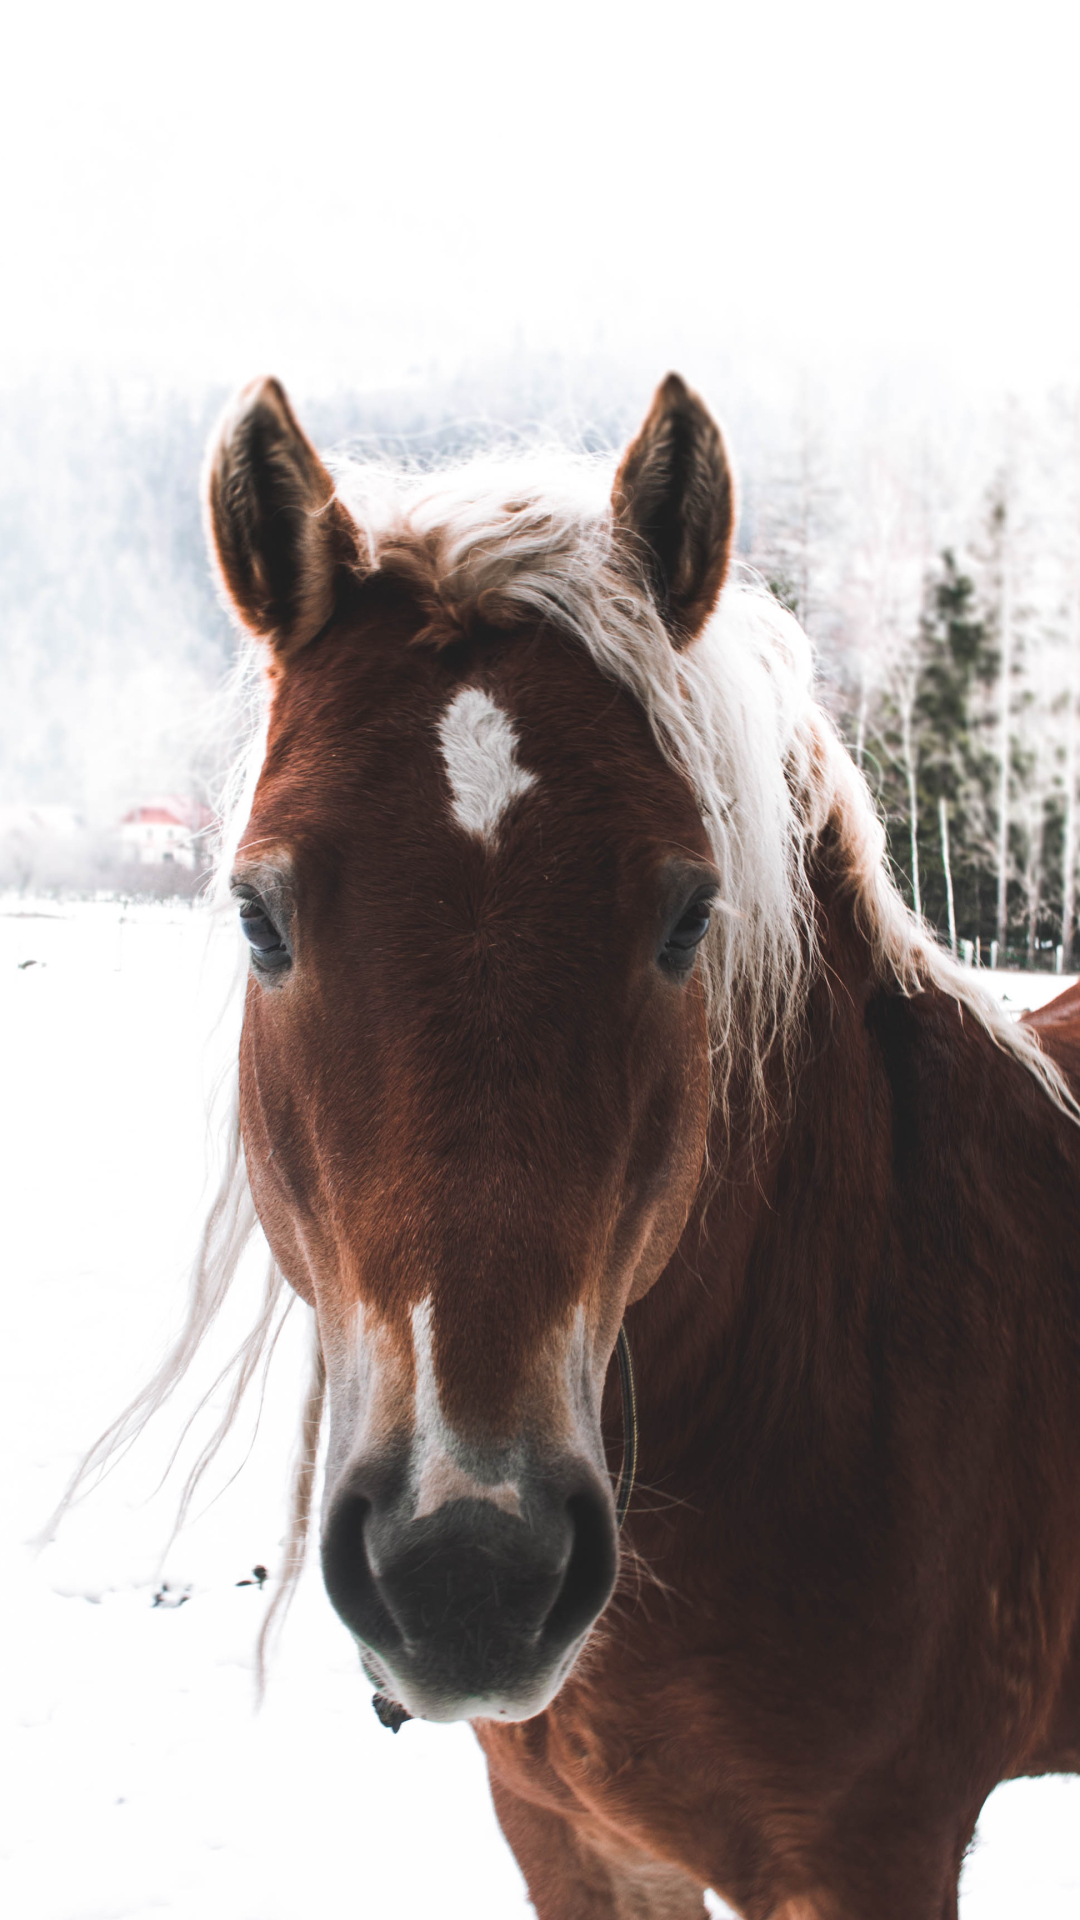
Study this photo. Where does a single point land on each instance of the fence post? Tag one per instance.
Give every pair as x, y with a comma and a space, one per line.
1059, 959
993, 955
967, 952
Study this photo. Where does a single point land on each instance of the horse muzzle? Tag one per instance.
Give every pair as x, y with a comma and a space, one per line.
470, 1611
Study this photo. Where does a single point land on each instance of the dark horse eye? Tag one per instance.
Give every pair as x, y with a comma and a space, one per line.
268, 949
686, 936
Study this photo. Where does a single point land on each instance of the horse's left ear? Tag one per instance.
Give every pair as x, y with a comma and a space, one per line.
673, 505
280, 535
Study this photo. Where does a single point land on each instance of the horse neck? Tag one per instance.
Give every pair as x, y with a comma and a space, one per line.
765, 1313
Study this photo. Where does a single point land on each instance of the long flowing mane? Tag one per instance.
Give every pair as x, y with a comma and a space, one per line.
513, 541
506, 542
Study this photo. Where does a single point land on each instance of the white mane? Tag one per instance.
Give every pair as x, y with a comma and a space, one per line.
513, 541
507, 542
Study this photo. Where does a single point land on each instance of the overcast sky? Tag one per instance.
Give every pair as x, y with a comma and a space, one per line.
347, 194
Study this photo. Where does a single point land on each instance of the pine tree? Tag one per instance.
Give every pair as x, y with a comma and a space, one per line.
933, 747
956, 760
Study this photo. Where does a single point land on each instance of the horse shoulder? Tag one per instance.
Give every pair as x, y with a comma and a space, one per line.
1058, 1028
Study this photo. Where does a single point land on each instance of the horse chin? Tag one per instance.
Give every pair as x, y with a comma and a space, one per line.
426, 1700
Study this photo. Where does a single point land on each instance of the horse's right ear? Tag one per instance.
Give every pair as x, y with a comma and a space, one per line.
280, 536
673, 508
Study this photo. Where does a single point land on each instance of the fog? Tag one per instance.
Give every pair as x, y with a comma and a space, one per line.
350, 195
852, 229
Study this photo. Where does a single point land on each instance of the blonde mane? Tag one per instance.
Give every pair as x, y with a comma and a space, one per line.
514, 541
511, 541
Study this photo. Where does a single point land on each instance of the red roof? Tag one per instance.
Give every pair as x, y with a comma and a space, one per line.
167, 811
153, 817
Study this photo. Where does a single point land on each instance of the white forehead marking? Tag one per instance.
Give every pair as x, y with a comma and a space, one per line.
478, 744
439, 1477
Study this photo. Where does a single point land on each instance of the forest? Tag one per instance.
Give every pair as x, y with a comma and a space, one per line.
931, 549
941, 584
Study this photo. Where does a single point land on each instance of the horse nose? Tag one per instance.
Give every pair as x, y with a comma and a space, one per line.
470, 1603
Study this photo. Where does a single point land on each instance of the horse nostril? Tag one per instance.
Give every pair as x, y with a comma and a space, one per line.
348, 1575
343, 1546
590, 1572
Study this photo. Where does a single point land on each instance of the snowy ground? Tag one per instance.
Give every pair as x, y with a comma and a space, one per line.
139, 1781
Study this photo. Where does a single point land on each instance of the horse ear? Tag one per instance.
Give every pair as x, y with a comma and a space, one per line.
673, 505
280, 536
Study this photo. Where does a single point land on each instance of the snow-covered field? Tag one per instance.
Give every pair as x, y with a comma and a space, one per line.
139, 1781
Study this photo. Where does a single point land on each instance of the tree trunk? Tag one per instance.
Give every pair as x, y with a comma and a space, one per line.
913, 803
943, 816
1072, 769
1004, 730
1033, 890
860, 727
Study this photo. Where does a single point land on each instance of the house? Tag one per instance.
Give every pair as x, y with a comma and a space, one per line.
166, 831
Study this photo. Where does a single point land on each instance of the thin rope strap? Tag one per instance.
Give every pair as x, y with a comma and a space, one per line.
628, 1470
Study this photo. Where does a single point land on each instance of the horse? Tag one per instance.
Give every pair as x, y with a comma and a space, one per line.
583, 1012
1058, 1025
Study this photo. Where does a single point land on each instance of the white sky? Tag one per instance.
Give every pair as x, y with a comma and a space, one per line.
342, 194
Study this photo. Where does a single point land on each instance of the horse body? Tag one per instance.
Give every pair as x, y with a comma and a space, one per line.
868, 1496
1058, 1026
502, 1088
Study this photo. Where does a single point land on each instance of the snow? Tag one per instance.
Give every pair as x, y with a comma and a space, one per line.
140, 1780
1023, 992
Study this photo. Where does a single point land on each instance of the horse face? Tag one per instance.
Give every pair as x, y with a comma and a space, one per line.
474, 1095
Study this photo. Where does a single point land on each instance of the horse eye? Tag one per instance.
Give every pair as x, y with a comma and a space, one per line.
268, 949
686, 936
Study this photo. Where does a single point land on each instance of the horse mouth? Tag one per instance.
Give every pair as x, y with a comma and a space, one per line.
397, 1700
470, 1612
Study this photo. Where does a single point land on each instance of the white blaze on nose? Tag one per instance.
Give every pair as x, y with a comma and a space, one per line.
440, 1476
479, 745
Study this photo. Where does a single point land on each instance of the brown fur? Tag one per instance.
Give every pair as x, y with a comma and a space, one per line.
865, 1536
276, 530
1058, 1027
851, 1575
673, 500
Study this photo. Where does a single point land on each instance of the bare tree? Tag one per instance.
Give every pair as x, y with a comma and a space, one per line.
795, 519
1067, 412
1002, 521
1071, 772
946, 865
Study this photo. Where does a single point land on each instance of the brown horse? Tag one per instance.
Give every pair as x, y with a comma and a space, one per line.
1058, 1027
579, 997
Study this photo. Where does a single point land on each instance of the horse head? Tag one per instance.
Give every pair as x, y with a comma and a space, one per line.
474, 1068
